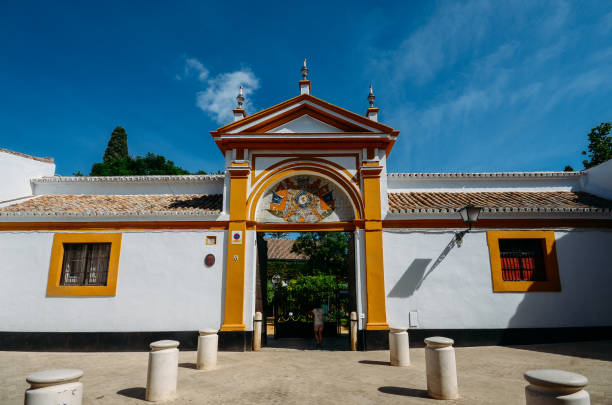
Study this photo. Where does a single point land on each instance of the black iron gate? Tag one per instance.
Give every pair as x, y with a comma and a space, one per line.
294, 319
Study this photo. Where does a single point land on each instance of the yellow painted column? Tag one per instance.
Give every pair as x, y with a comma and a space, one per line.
375, 272
233, 320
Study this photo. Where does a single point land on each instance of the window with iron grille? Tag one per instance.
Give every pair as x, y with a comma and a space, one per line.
522, 259
85, 264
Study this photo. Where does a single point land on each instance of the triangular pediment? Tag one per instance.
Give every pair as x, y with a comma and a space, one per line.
304, 114
305, 124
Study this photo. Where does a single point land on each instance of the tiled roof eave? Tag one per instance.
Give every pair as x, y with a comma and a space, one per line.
503, 210
110, 214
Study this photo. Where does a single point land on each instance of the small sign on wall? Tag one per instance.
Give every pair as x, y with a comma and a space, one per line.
236, 237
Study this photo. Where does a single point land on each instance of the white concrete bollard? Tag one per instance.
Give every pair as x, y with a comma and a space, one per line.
441, 368
354, 331
207, 349
257, 330
556, 387
57, 386
163, 370
399, 348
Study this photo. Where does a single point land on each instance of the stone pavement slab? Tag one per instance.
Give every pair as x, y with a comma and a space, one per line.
487, 375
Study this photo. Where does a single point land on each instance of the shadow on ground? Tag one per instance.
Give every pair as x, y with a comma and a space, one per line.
188, 365
599, 350
375, 362
135, 392
404, 392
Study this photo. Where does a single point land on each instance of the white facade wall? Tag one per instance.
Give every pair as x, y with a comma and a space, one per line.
598, 180
398, 184
451, 287
16, 173
162, 285
175, 187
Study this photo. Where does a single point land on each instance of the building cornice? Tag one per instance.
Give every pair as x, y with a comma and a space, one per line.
485, 175
190, 178
399, 212
113, 214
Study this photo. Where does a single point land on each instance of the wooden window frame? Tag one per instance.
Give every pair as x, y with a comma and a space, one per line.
552, 283
54, 289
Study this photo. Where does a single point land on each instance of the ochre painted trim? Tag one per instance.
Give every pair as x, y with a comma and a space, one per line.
377, 326
313, 142
233, 327
115, 226
233, 317
518, 223
552, 283
274, 122
374, 264
303, 227
278, 174
293, 157
54, 289
297, 99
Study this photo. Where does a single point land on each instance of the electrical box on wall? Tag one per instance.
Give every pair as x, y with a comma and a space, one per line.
413, 319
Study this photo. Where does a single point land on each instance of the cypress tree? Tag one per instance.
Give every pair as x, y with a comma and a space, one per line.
117, 148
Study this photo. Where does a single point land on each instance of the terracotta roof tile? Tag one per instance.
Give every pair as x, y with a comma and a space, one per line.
280, 249
23, 155
510, 201
117, 205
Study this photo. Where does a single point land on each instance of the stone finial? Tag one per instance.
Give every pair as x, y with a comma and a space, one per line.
304, 83
304, 71
239, 112
240, 98
372, 112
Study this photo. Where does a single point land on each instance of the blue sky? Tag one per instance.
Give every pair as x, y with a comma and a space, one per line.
472, 86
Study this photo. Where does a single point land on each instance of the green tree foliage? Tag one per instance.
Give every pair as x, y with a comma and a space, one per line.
306, 292
568, 168
117, 148
117, 161
151, 164
600, 145
327, 252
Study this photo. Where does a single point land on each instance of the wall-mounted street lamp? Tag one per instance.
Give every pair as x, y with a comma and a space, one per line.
469, 215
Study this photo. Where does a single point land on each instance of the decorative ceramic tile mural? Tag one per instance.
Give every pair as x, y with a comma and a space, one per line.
304, 199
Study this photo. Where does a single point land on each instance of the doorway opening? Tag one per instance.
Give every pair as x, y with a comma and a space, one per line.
298, 272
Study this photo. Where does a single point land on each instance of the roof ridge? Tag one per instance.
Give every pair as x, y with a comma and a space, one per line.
138, 178
489, 174
23, 155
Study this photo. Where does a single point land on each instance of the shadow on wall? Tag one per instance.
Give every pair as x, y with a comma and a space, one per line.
415, 274
576, 313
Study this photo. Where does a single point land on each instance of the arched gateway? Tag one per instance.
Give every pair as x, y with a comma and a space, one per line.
304, 165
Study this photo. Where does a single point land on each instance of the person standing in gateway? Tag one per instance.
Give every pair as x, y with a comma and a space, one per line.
318, 325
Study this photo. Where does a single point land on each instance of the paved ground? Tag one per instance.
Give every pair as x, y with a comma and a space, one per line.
487, 375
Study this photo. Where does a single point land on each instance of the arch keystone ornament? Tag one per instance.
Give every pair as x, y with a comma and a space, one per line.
304, 198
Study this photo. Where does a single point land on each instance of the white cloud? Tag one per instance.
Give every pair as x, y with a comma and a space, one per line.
218, 97
193, 65
436, 45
